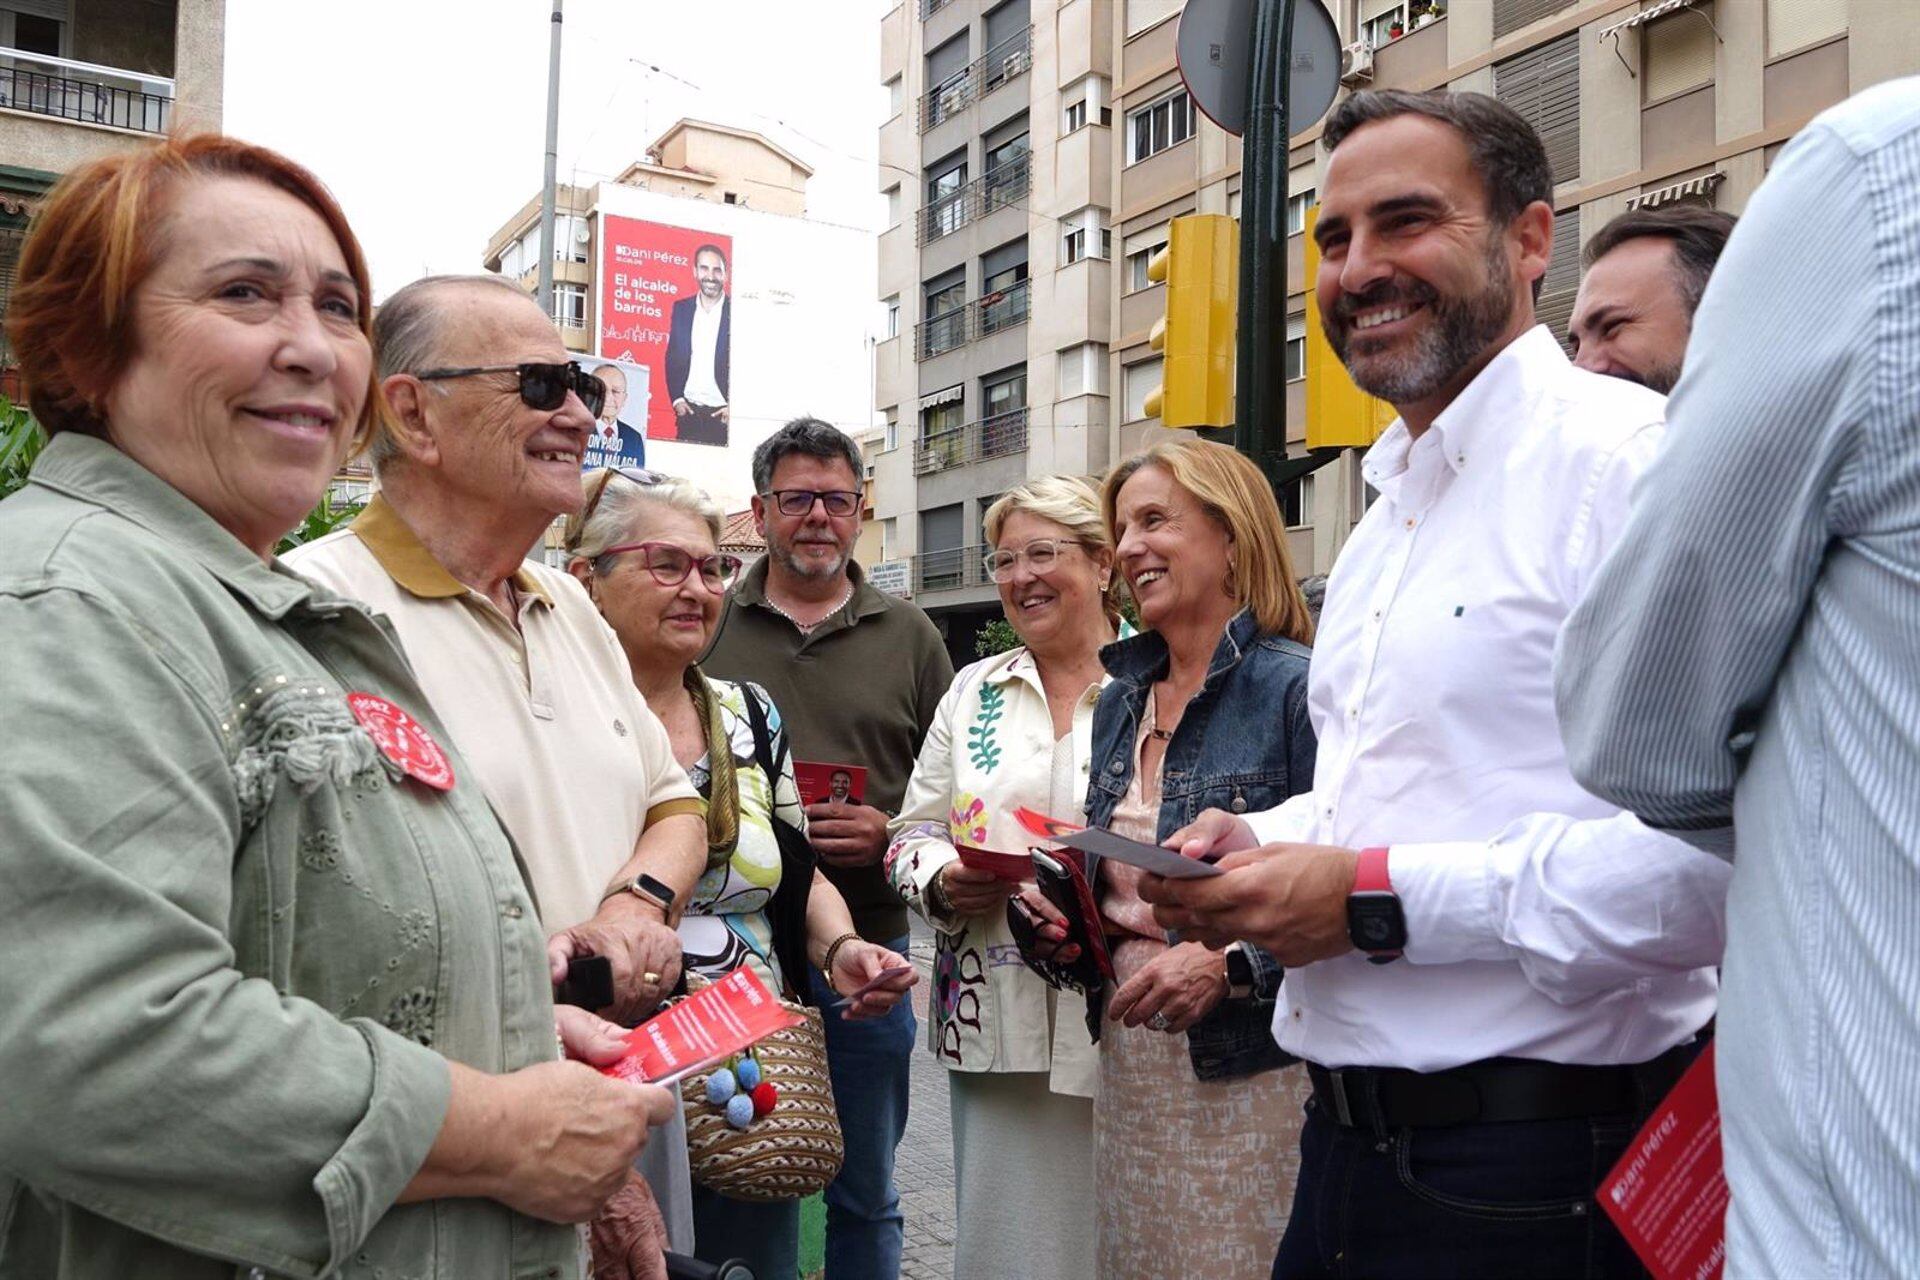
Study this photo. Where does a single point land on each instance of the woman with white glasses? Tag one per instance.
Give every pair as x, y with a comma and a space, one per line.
1013, 730
646, 548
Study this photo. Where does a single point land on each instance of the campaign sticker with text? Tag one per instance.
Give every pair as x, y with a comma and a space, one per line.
1668, 1194
402, 739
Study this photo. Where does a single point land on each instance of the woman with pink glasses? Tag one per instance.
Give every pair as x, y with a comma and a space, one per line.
646, 548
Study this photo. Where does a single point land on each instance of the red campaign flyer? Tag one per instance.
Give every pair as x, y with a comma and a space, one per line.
707, 1026
819, 783
1668, 1195
1017, 867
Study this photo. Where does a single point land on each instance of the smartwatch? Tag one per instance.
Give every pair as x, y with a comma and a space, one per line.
1375, 922
648, 889
1239, 971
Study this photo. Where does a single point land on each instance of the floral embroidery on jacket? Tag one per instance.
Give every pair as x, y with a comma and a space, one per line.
967, 820
982, 742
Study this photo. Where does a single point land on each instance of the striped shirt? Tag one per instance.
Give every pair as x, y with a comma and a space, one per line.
1746, 672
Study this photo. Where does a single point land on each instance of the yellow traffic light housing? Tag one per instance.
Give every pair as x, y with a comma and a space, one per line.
1338, 412
1201, 268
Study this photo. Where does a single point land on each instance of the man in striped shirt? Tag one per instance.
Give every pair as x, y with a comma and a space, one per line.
1746, 674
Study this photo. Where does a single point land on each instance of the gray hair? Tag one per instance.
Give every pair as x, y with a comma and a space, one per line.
623, 505
407, 330
811, 438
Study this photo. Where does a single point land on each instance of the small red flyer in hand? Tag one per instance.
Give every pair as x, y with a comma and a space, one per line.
707, 1026
1017, 867
819, 783
1668, 1194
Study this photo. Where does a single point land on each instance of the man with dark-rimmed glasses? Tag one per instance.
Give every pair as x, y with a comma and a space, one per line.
479, 451
857, 675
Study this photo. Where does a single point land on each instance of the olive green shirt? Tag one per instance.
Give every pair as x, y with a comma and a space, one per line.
239, 944
860, 688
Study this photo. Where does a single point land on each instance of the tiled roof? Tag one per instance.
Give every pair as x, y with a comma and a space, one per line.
741, 534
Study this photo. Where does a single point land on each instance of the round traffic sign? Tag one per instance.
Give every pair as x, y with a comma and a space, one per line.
1214, 50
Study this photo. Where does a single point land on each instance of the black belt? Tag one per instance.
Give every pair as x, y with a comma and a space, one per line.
1494, 1090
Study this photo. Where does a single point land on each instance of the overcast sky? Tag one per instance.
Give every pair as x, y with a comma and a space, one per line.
427, 117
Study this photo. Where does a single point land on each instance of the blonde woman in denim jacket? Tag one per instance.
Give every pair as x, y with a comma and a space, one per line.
1013, 730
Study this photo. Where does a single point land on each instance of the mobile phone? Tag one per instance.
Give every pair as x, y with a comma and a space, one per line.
588, 985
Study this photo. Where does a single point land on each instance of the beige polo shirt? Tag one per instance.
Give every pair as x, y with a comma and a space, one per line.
546, 713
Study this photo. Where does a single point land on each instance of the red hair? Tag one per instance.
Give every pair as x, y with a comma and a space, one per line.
95, 241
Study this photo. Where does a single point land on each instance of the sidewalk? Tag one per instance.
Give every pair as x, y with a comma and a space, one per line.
923, 1168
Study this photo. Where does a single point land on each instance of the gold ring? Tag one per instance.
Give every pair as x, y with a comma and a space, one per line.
650, 978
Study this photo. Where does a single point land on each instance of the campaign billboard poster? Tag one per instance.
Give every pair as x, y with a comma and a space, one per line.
666, 306
620, 436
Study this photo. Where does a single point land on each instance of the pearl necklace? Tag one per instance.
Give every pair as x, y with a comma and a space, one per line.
806, 628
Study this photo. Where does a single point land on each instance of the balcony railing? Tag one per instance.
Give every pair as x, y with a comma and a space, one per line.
83, 92
930, 7
993, 437
950, 570
997, 189
1001, 309
1006, 60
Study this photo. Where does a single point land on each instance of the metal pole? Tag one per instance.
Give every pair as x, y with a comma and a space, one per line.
553, 156
1260, 380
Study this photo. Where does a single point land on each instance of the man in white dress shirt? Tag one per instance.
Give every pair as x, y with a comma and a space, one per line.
699, 352
1492, 974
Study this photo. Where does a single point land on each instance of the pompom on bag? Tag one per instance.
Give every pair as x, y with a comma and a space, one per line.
792, 1151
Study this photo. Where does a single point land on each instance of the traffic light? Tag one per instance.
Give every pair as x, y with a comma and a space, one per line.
1201, 268
1338, 412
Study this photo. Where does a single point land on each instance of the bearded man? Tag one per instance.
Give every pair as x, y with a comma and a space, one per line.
1491, 974
857, 675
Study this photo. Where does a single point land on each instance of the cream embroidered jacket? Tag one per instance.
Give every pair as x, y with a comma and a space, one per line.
990, 750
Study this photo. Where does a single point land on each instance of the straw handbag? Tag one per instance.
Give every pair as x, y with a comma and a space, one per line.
792, 1151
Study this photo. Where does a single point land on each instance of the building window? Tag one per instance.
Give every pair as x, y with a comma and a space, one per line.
1004, 392
1297, 205
1677, 53
893, 205
944, 308
1085, 237
893, 317
1296, 502
1083, 371
579, 239
1087, 104
570, 306
1511, 15
1076, 116
893, 433
1795, 24
1142, 14
890, 534
1543, 86
1139, 380
1296, 355
1140, 248
896, 97
1378, 30
1163, 124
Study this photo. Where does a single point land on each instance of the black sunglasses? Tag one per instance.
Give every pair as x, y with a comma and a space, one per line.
542, 386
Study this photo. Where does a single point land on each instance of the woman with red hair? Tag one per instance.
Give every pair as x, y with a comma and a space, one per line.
272, 995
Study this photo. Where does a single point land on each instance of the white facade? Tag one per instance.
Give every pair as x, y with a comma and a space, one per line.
803, 325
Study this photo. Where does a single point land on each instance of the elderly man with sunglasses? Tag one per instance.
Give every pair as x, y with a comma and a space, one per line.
857, 675
480, 449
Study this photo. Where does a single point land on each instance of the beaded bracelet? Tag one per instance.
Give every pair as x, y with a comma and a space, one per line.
833, 949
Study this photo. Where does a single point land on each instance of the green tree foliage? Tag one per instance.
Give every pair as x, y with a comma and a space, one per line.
995, 636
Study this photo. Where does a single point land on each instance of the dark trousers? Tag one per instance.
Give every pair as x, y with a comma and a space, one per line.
701, 425
1470, 1201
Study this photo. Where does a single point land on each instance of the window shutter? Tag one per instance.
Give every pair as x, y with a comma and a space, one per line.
1795, 24
1543, 85
1562, 281
1511, 15
1678, 53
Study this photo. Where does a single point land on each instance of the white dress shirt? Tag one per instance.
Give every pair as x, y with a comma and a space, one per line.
703, 387
1542, 922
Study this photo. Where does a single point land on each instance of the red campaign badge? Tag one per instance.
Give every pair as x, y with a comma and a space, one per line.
402, 739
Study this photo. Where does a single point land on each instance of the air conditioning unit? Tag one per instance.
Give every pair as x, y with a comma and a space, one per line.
1356, 63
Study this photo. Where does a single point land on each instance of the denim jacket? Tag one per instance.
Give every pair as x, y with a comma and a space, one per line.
1244, 745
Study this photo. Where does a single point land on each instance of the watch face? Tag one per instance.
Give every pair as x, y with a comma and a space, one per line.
658, 890
1375, 922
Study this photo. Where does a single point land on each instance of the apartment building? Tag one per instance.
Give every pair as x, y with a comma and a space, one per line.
996, 271
80, 79
1640, 102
